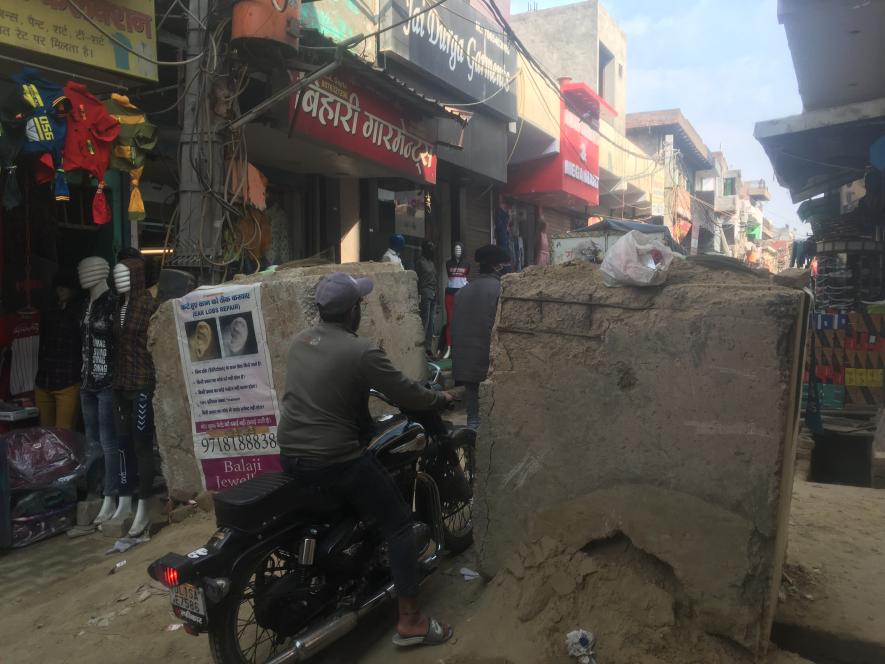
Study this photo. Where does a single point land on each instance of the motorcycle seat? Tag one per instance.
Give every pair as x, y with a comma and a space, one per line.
256, 503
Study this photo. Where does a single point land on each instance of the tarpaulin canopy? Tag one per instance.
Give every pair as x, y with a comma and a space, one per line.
621, 226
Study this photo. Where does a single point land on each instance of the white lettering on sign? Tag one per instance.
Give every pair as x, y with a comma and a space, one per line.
574, 122
431, 25
581, 174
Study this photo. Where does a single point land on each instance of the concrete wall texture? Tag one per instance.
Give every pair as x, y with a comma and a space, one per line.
390, 318
666, 414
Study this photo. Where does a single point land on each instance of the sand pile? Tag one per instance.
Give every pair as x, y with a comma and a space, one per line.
631, 601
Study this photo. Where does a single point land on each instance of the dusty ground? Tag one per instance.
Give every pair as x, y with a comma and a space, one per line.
833, 599
61, 605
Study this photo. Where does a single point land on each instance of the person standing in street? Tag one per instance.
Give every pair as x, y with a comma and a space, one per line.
475, 307
394, 251
427, 291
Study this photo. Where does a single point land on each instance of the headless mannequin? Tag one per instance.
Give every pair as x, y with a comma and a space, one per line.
122, 284
134, 382
93, 273
457, 270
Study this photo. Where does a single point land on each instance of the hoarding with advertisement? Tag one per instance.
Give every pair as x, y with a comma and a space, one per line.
227, 371
457, 45
338, 111
57, 28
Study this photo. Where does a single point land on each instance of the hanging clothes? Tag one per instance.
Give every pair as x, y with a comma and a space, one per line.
14, 112
91, 132
46, 124
137, 137
25, 352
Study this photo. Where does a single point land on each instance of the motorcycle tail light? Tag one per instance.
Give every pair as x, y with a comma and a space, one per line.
170, 570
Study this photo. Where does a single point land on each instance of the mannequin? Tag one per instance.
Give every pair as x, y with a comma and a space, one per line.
133, 385
96, 395
457, 270
59, 357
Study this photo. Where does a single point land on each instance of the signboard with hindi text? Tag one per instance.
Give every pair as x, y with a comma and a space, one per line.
58, 29
339, 111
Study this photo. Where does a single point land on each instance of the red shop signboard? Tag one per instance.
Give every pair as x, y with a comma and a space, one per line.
340, 112
567, 178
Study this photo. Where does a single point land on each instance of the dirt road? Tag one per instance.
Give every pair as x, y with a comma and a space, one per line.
61, 605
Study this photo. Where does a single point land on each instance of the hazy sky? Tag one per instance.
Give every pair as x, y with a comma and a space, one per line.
725, 64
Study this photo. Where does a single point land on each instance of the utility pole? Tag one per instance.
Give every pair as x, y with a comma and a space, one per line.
199, 223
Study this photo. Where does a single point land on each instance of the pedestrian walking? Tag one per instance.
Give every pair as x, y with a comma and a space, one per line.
427, 291
475, 307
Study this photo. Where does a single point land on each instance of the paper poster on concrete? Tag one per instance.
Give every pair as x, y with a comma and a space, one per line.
227, 370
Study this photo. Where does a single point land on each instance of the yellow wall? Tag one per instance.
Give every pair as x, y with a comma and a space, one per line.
536, 102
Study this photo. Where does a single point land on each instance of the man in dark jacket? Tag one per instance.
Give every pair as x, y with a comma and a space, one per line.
326, 425
475, 307
427, 287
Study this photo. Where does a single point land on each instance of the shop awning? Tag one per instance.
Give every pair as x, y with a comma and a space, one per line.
818, 151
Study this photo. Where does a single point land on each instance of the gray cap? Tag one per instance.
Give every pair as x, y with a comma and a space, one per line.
338, 292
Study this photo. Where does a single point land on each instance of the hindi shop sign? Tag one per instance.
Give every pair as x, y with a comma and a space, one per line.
457, 45
337, 111
227, 371
56, 28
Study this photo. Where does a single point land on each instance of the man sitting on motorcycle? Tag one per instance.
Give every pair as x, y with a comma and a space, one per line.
326, 426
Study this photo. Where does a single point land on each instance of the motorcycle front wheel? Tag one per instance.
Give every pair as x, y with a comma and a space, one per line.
235, 637
456, 496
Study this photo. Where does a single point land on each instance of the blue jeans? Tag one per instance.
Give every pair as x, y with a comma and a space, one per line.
101, 428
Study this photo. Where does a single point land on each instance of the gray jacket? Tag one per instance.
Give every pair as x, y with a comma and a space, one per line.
472, 320
325, 409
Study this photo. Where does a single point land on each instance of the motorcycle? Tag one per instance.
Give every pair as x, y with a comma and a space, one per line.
290, 571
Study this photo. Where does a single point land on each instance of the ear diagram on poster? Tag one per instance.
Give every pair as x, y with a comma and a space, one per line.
227, 370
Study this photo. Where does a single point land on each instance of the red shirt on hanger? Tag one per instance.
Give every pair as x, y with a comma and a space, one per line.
91, 131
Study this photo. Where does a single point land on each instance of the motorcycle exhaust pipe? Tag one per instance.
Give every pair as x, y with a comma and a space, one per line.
325, 634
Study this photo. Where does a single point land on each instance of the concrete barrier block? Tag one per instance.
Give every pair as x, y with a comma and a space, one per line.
667, 414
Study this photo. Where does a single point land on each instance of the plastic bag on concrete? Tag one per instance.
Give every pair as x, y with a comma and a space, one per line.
637, 259
42, 457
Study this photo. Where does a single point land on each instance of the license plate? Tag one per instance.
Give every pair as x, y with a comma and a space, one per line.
189, 603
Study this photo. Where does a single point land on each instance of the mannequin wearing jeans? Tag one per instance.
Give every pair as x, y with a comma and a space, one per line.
57, 383
96, 395
134, 385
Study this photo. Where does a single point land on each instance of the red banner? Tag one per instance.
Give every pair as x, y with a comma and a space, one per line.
337, 111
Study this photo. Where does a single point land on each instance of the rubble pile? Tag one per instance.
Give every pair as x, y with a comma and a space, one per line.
390, 317
664, 417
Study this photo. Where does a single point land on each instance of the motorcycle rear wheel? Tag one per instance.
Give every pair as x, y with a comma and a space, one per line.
234, 621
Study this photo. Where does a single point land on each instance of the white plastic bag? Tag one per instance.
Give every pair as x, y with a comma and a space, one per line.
637, 259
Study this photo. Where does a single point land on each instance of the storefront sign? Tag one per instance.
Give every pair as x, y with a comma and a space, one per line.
337, 111
580, 174
458, 45
234, 412
565, 180
56, 28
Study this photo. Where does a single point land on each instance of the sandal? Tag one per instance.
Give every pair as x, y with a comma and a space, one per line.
436, 635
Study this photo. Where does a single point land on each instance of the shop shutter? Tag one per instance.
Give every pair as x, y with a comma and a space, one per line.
476, 223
